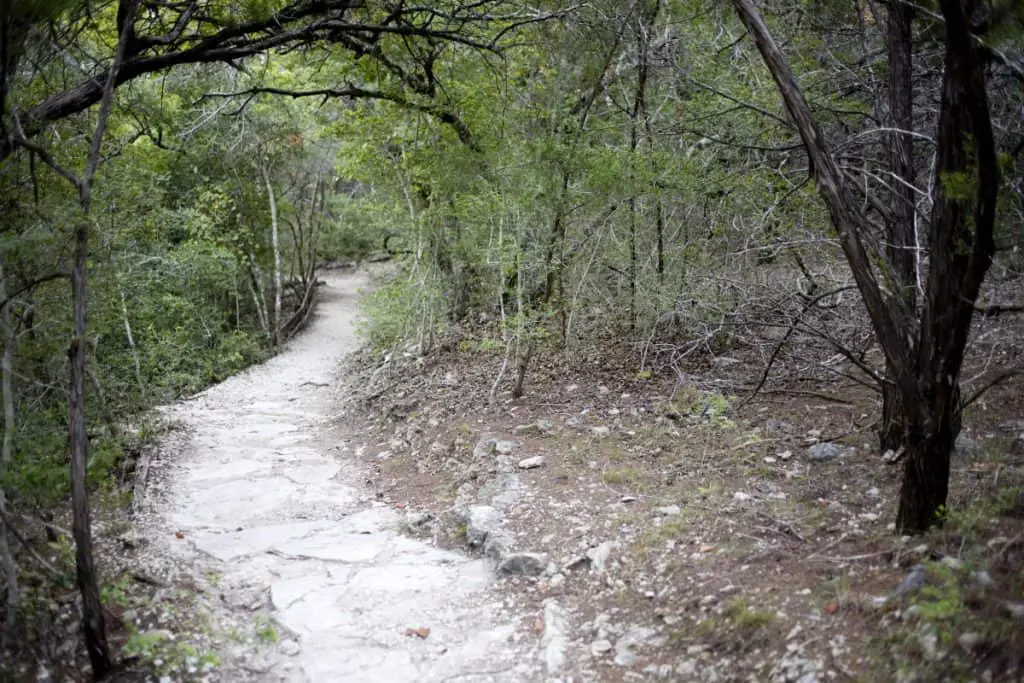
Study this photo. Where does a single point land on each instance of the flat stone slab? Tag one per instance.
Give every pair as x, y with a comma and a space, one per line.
259, 498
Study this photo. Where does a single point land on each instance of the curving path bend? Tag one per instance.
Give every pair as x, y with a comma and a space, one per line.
263, 499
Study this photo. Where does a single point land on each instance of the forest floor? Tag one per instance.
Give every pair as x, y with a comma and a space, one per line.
329, 516
658, 527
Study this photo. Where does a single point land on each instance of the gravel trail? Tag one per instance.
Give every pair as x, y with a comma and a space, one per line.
259, 495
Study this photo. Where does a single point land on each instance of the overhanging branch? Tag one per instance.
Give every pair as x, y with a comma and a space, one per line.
443, 115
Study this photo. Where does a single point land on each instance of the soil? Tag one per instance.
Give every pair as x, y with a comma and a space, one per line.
691, 532
317, 518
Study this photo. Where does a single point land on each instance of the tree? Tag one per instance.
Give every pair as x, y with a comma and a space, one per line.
163, 36
924, 351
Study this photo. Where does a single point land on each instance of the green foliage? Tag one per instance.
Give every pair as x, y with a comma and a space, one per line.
266, 632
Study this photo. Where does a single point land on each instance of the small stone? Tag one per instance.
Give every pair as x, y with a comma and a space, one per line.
504, 447
527, 430
668, 510
481, 521
982, 579
687, 668
531, 463
289, 648
484, 447
912, 582
969, 641
663, 671
496, 546
873, 492
785, 455
740, 496
523, 564
625, 658
600, 647
417, 519
826, 451
911, 613
1014, 609
131, 539
450, 379
929, 642
600, 432
770, 460
557, 580
599, 556
954, 563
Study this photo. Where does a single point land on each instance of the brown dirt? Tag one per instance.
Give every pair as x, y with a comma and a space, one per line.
770, 569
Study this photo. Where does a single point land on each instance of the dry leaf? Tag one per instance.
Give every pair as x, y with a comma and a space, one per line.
422, 632
832, 608
179, 534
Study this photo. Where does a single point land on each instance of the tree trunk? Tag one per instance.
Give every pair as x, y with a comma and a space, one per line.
926, 470
924, 353
131, 345
275, 239
9, 571
92, 610
892, 434
6, 373
901, 235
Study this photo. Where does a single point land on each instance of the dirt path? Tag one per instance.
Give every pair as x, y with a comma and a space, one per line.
260, 498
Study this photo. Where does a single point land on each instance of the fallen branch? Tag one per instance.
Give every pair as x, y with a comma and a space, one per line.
28, 546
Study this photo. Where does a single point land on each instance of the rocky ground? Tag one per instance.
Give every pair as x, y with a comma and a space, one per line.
640, 522
658, 527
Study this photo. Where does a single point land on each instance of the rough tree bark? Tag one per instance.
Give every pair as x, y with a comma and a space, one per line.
925, 354
8, 567
901, 234
6, 372
962, 245
93, 620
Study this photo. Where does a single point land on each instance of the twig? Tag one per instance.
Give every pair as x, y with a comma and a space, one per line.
995, 381
789, 332
28, 546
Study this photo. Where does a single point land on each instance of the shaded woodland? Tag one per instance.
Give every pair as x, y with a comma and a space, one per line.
833, 188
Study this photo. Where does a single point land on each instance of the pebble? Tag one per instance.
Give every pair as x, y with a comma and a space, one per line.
523, 564
599, 556
625, 658
954, 563
289, 647
668, 510
481, 521
969, 640
982, 579
600, 432
504, 447
740, 496
826, 451
912, 582
1014, 609
531, 463
600, 647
